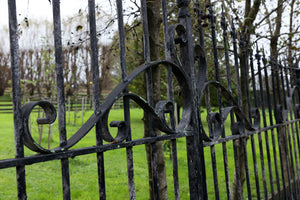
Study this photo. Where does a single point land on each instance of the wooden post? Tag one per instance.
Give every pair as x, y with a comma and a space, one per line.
69, 109
75, 110
82, 111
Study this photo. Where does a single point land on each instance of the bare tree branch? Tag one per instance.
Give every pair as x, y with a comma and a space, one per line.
266, 16
234, 10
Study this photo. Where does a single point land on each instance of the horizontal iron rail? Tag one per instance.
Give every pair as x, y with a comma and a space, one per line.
248, 133
29, 160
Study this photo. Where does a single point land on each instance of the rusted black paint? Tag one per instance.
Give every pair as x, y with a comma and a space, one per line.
16, 92
194, 88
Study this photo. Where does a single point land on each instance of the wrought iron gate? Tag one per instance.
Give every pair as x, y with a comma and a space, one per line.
274, 174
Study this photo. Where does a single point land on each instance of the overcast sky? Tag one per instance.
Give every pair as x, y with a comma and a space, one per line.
40, 9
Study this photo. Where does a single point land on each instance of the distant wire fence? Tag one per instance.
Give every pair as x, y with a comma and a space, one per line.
76, 106
6, 106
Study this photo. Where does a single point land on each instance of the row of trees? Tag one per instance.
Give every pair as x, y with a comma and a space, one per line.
4, 72
274, 24
37, 61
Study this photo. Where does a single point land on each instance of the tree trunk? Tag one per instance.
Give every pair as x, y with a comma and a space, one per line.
154, 23
279, 97
275, 36
290, 37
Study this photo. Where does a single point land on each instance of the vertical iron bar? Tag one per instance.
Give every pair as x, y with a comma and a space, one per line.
239, 92
59, 71
196, 164
294, 128
214, 42
121, 40
259, 135
271, 123
296, 137
202, 64
255, 165
262, 103
217, 74
228, 73
145, 32
175, 169
274, 65
201, 79
171, 98
244, 142
287, 81
292, 75
294, 175
150, 97
278, 130
96, 96
236, 64
282, 129
61, 96
17, 102
255, 99
166, 27
283, 86
130, 171
244, 145
202, 68
295, 100
288, 132
244, 65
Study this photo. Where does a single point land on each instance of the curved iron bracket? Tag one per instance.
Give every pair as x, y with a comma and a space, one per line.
102, 115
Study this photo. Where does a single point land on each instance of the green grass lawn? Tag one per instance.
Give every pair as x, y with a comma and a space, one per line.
44, 179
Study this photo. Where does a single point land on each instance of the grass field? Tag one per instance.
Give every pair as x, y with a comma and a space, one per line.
44, 179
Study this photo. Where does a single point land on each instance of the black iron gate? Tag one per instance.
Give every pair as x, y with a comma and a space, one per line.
271, 94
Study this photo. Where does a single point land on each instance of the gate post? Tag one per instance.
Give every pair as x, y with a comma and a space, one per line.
195, 155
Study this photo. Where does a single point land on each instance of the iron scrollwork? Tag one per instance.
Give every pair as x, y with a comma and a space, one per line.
218, 120
102, 116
